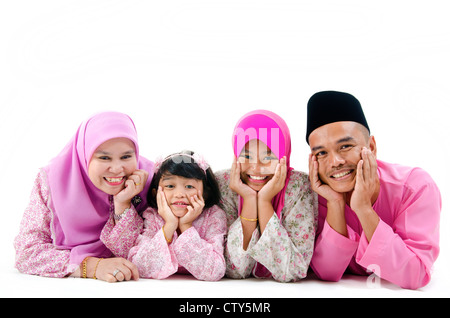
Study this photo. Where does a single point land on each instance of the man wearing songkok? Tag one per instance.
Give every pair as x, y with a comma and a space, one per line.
373, 216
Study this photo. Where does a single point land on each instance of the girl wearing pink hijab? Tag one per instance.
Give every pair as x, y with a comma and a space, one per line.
271, 209
81, 199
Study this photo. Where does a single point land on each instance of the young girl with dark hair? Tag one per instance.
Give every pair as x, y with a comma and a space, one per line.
184, 230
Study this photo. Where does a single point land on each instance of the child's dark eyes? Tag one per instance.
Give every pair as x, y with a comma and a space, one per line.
171, 186
265, 159
246, 157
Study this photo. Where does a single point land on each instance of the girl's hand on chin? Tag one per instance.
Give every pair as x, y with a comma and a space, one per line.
165, 211
275, 184
236, 183
198, 203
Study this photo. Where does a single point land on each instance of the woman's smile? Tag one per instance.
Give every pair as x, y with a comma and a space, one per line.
114, 181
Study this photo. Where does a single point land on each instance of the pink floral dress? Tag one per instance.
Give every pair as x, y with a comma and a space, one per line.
199, 250
35, 252
37, 255
286, 246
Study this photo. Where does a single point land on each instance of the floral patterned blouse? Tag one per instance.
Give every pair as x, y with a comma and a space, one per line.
37, 255
35, 252
198, 250
286, 246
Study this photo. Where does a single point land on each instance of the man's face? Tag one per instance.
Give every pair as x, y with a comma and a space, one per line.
337, 147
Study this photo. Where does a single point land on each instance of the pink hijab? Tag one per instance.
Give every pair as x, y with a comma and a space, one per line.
80, 210
271, 129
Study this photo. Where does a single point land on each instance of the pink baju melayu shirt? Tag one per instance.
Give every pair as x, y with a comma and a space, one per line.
405, 243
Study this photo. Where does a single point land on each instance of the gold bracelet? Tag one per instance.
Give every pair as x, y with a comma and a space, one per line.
166, 236
83, 266
95, 270
251, 220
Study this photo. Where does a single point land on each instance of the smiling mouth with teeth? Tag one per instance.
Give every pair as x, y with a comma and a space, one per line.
114, 181
342, 174
180, 204
257, 179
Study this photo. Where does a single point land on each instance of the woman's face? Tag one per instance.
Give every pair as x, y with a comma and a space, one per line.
178, 191
111, 165
258, 164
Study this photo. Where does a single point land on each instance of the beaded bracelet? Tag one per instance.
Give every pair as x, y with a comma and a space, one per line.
251, 220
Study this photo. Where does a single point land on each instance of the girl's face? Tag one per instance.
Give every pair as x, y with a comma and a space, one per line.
178, 191
111, 165
258, 164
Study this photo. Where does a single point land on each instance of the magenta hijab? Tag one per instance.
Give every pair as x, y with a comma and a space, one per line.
80, 210
271, 129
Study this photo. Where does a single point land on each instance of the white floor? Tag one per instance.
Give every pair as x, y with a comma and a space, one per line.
170, 63
14, 284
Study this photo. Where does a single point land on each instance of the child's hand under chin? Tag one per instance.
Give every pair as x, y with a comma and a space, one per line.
164, 209
276, 184
198, 203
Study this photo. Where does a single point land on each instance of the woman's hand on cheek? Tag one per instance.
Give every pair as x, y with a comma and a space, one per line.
133, 186
198, 203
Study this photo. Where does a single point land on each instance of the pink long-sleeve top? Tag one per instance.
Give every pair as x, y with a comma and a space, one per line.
35, 252
405, 243
198, 250
37, 255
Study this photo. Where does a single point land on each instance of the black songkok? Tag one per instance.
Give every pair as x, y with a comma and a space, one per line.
329, 106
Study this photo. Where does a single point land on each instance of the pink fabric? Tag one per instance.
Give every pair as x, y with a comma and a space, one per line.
405, 243
35, 252
120, 236
271, 129
199, 250
80, 210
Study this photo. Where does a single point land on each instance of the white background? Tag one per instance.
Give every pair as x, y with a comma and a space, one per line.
186, 71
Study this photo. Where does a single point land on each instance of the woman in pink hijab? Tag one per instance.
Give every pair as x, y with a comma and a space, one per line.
271, 209
77, 200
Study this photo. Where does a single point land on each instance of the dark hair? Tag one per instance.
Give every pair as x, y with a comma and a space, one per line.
181, 164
